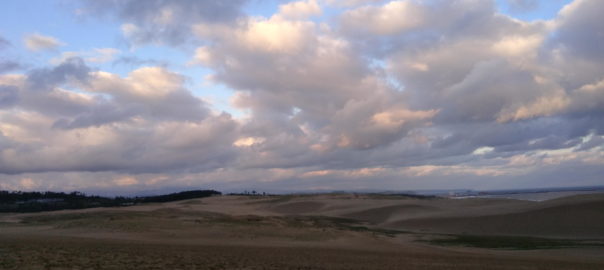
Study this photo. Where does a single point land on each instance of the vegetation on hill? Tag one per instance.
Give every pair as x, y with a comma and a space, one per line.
18, 201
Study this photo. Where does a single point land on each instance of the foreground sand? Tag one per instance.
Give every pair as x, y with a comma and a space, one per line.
304, 232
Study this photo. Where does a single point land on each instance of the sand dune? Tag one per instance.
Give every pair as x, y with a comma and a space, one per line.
341, 231
379, 215
298, 207
576, 220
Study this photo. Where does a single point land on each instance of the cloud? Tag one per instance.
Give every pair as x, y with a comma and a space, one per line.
370, 95
37, 42
134, 61
352, 3
125, 181
8, 96
97, 55
143, 146
145, 122
6, 63
312, 84
150, 92
164, 22
391, 18
300, 9
577, 30
4, 43
71, 69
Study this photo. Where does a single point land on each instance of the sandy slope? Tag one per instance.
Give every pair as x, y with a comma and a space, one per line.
577, 220
571, 217
312, 231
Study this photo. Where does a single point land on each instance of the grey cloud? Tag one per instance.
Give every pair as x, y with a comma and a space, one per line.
9, 96
102, 113
44, 79
134, 61
147, 122
422, 21
133, 148
579, 30
472, 74
335, 93
40, 90
54, 102
4, 43
5, 142
41, 94
593, 142
571, 50
8, 65
179, 105
470, 81
166, 21
491, 88
587, 101
330, 105
161, 98
506, 139
516, 136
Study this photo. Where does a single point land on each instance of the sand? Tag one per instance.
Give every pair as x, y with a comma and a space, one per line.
329, 231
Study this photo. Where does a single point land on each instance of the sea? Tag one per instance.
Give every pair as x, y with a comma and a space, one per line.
531, 196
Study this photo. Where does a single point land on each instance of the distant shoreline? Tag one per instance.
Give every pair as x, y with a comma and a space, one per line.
530, 196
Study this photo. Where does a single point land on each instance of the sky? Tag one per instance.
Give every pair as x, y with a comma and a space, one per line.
143, 96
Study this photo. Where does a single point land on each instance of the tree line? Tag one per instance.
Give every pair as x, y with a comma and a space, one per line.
19, 201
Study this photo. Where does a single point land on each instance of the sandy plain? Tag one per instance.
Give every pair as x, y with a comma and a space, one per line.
328, 231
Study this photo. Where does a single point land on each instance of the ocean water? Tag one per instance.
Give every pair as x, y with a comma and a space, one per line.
538, 196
